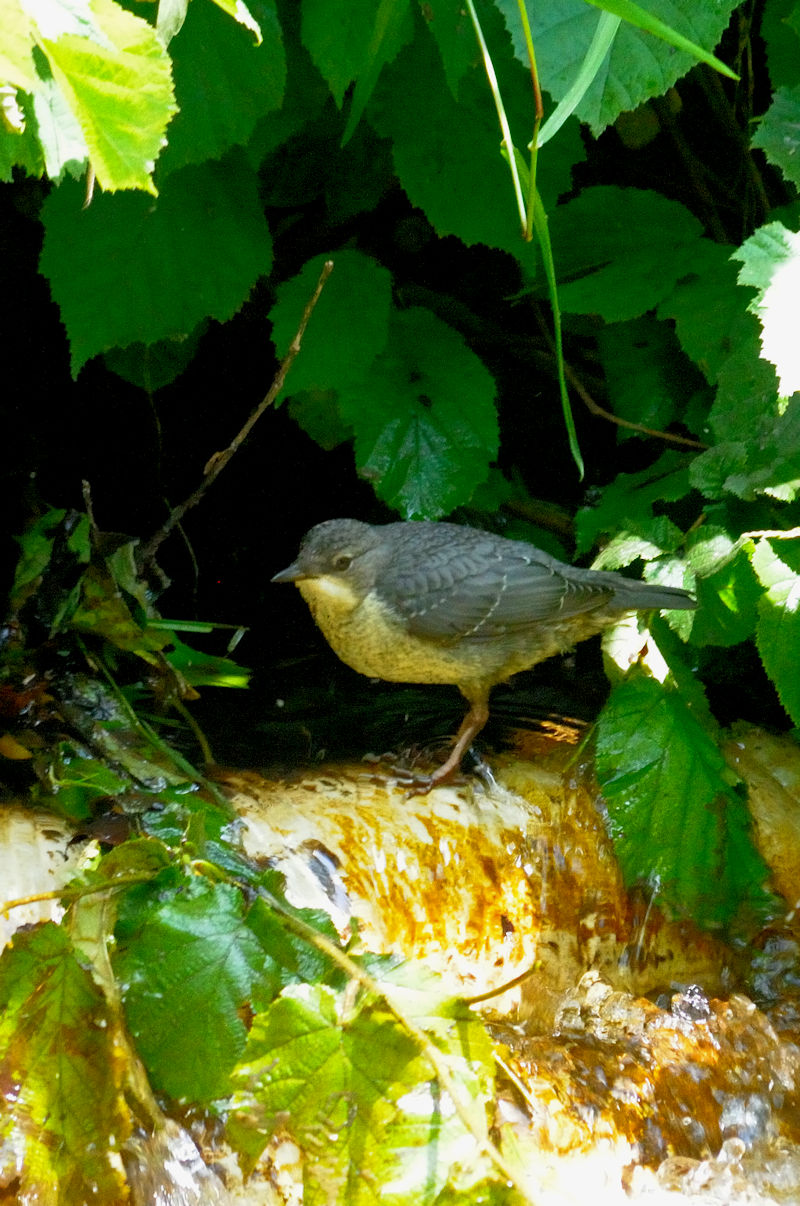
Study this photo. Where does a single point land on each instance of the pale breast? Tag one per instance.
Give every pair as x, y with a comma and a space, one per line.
370, 639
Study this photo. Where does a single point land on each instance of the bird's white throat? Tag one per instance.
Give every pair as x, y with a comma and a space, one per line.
328, 594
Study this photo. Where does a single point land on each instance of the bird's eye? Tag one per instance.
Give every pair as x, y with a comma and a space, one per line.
342, 561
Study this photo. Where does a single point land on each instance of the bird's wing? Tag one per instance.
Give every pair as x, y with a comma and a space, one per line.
455, 592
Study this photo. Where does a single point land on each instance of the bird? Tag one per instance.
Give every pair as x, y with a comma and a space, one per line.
433, 602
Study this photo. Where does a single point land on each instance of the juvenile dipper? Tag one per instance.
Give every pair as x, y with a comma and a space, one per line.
440, 603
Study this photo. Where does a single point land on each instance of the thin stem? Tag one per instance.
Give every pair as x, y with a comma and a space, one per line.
501, 115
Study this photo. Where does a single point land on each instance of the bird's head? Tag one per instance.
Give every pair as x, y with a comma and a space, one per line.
340, 557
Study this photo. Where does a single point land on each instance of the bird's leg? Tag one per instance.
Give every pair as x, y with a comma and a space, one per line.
471, 725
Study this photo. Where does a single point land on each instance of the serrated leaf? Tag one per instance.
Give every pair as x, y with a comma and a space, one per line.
727, 588
348, 328
771, 263
224, 84
368, 1086
317, 412
60, 1059
762, 460
779, 28
644, 537
452, 168
620, 252
644, 20
648, 380
116, 77
352, 40
186, 962
151, 366
778, 630
424, 418
241, 13
16, 54
778, 134
192, 254
628, 501
638, 66
448, 21
19, 142
678, 823
60, 134
709, 313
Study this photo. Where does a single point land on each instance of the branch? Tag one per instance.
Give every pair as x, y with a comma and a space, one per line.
219, 460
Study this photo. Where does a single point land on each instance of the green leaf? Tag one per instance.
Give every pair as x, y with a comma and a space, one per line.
638, 65
186, 962
449, 23
223, 83
305, 96
600, 45
19, 142
369, 1087
36, 549
348, 328
771, 263
727, 588
192, 254
627, 503
16, 53
778, 631
424, 418
317, 412
782, 41
239, 11
287, 958
103, 612
77, 781
778, 134
150, 366
392, 30
644, 538
709, 312
353, 39
60, 135
641, 19
451, 168
204, 669
61, 1059
619, 252
649, 381
116, 78
762, 453
677, 819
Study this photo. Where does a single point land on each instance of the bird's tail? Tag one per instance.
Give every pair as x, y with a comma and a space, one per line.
641, 596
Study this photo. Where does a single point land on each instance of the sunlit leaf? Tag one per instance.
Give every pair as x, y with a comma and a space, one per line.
679, 824
778, 632
60, 1060
638, 65
193, 253
379, 1094
186, 962
771, 263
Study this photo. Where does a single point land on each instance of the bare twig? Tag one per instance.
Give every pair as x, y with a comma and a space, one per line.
219, 460
601, 412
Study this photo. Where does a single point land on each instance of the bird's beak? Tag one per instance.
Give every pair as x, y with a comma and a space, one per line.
290, 574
